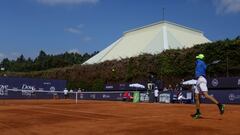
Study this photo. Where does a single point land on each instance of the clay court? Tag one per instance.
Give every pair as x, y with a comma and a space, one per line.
64, 117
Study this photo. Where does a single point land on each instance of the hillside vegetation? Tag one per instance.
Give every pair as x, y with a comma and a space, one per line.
44, 61
170, 66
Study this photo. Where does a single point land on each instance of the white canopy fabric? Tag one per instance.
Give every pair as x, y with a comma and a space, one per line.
137, 85
190, 82
151, 39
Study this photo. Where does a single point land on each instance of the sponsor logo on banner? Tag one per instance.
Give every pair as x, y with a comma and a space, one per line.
215, 82
27, 93
105, 96
47, 83
27, 87
52, 88
233, 97
164, 98
3, 90
93, 96
122, 85
144, 97
81, 96
109, 87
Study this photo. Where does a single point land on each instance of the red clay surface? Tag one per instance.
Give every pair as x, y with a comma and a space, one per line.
64, 117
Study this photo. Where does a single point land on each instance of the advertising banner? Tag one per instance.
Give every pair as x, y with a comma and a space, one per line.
224, 83
134, 86
182, 96
28, 94
224, 96
165, 97
100, 96
136, 97
30, 83
26, 87
124, 87
144, 97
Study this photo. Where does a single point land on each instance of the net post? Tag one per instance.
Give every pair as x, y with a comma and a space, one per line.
76, 100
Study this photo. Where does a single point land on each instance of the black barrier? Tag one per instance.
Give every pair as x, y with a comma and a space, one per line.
123, 87
28, 94
126, 86
224, 83
224, 96
182, 97
165, 96
30, 83
27, 86
118, 96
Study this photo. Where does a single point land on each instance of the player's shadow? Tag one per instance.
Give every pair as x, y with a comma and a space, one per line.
209, 118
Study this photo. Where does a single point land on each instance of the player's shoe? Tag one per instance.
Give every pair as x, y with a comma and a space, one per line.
196, 115
221, 108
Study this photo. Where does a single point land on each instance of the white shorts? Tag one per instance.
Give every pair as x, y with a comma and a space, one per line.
201, 85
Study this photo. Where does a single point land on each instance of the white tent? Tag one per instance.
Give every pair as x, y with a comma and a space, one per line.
152, 39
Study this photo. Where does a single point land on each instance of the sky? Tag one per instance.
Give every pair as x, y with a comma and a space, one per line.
85, 26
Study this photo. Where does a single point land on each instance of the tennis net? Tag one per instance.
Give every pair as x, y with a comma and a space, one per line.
44, 94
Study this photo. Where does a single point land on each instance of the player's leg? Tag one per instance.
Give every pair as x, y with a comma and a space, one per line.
220, 106
197, 104
210, 97
197, 100
204, 89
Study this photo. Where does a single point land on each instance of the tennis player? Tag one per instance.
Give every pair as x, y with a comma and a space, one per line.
201, 86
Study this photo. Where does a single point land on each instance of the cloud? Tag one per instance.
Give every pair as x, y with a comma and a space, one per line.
67, 2
79, 29
227, 6
73, 30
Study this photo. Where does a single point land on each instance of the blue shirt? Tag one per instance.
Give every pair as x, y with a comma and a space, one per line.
200, 69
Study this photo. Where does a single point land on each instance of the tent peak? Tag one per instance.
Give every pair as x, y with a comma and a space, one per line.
163, 22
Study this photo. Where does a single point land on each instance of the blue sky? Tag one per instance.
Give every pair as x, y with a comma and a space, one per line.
57, 26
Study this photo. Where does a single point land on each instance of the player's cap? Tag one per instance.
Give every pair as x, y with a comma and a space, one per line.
200, 56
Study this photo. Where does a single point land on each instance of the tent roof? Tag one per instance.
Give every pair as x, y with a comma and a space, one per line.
152, 39
161, 22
